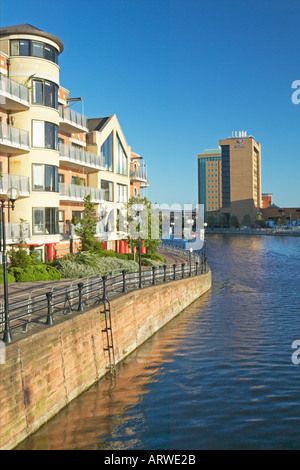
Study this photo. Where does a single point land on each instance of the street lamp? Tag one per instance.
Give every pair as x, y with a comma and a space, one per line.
12, 196
139, 208
205, 225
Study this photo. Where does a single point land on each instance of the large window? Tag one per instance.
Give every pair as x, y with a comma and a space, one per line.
121, 159
44, 178
107, 187
122, 193
44, 93
107, 152
25, 47
45, 220
44, 135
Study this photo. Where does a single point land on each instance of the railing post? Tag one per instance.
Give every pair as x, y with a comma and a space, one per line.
182, 267
190, 268
153, 276
174, 267
124, 290
104, 297
49, 320
80, 302
197, 268
202, 265
165, 272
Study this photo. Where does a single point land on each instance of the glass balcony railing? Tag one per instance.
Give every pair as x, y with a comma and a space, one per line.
74, 192
139, 174
14, 90
81, 157
22, 183
73, 117
13, 137
17, 231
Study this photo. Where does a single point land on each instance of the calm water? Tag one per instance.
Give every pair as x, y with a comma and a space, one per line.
219, 376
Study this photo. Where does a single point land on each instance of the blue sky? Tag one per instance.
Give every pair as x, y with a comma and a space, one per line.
180, 75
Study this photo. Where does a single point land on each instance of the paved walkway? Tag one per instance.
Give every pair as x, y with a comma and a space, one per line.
21, 290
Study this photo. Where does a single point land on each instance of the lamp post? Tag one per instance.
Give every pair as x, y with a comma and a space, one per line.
12, 196
205, 225
173, 230
138, 208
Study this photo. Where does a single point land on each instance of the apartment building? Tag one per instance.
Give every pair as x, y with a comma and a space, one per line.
210, 181
238, 177
138, 176
53, 154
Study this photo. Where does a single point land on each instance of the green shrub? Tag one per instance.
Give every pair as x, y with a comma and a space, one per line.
10, 276
84, 265
154, 257
35, 273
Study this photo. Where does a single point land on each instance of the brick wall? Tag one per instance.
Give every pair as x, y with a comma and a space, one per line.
45, 370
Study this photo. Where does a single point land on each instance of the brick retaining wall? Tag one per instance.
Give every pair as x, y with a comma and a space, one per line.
44, 371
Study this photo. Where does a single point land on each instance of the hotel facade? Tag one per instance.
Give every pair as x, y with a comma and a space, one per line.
229, 178
54, 155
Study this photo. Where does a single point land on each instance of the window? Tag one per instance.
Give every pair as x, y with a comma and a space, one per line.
61, 178
106, 151
121, 159
61, 221
38, 221
38, 91
50, 135
136, 192
45, 93
122, 193
38, 134
78, 181
107, 187
77, 215
32, 48
45, 220
44, 178
44, 135
37, 49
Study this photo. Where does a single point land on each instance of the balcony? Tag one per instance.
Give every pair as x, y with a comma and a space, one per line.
22, 183
71, 121
17, 231
75, 158
76, 193
140, 175
13, 96
13, 140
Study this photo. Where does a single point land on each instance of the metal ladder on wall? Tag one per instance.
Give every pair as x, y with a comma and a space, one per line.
109, 335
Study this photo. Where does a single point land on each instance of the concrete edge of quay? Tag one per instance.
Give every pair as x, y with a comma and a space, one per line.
46, 370
262, 233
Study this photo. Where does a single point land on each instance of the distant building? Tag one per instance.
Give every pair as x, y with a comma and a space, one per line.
232, 174
267, 200
210, 181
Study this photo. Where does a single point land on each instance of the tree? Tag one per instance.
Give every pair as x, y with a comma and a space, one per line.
151, 225
259, 220
86, 228
223, 220
246, 220
211, 221
234, 221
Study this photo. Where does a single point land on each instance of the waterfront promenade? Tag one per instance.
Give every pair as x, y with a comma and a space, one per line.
50, 364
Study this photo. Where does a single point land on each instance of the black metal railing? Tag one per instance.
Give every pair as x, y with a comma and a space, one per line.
42, 305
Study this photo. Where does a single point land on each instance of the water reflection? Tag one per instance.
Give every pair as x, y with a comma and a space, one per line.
218, 376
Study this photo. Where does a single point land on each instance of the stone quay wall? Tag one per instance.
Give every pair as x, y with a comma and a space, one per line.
48, 368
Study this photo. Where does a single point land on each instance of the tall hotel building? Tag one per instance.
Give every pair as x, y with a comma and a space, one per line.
54, 155
235, 188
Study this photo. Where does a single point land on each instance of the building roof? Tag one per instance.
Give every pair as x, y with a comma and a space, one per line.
29, 29
97, 124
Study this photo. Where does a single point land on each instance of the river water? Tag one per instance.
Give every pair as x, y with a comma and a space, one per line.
219, 376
